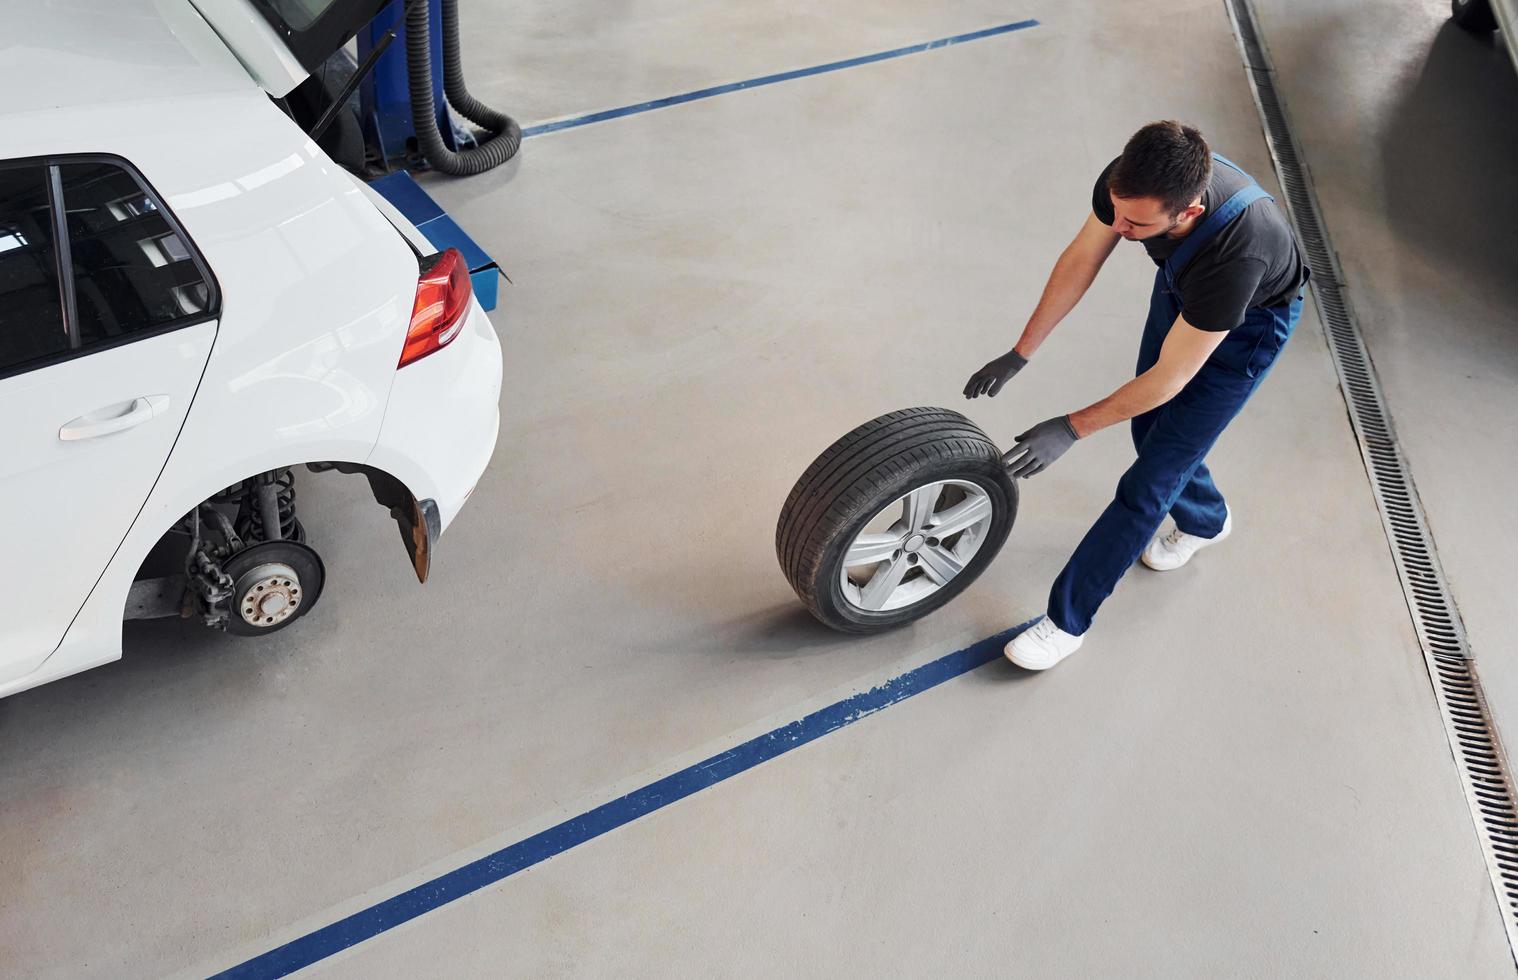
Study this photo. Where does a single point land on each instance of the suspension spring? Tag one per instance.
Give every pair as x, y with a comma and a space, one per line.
271, 493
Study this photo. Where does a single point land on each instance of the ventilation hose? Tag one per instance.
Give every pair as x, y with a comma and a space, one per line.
506, 135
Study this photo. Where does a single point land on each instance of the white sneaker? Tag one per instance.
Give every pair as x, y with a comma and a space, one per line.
1042, 645
1166, 554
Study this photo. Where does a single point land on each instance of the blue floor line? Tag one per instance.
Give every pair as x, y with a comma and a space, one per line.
383, 916
785, 76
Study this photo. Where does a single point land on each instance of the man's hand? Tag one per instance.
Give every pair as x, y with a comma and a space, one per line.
1039, 447
1077, 266
989, 379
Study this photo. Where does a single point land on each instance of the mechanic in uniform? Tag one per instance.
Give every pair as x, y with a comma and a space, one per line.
1227, 296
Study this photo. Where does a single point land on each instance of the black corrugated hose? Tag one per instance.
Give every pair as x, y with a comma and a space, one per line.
505, 135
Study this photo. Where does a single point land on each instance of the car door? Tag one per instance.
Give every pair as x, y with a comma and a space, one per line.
107, 316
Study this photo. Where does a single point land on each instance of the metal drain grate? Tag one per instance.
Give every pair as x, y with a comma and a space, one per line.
1481, 760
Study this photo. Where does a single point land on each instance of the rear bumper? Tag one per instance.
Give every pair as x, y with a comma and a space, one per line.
442, 420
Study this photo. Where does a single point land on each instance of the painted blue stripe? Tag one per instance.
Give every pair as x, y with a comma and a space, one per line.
785, 76
386, 915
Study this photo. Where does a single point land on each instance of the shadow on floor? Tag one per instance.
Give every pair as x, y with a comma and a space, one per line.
778, 633
1449, 155
163, 662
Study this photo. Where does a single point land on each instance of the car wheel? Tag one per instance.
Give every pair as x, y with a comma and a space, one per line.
1473, 15
895, 519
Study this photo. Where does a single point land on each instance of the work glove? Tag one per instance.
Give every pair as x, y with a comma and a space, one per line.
989, 379
1040, 446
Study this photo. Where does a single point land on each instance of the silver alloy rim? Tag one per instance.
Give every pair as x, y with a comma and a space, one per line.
915, 545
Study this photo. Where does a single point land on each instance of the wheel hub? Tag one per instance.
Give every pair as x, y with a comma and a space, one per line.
268, 595
915, 545
274, 583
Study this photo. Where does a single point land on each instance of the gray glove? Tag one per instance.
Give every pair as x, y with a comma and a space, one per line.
989, 379
1040, 446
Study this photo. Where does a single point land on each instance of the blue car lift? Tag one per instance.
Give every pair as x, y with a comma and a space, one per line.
442, 231
385, 110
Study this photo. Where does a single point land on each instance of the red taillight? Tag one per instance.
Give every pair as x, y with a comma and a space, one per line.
442, 305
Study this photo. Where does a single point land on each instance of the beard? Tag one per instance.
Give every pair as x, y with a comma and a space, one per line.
1166, 231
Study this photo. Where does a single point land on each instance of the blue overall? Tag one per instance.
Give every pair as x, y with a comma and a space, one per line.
1169, 475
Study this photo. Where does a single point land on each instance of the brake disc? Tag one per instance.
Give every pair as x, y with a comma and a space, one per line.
275, 583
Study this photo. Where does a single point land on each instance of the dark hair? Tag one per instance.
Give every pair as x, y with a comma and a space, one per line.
1165, 160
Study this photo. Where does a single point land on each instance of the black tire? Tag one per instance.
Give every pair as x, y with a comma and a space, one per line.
860, 475
1473, 15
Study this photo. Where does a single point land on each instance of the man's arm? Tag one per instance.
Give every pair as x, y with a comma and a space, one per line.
1184, 352
1073, 274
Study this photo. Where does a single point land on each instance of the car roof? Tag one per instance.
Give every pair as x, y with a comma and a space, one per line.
99, 54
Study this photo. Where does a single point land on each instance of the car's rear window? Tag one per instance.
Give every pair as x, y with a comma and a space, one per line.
132, 270
301, 14
31, 302
314, 29
90, 258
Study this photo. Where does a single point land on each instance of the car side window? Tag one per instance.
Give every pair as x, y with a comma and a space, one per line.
131, 269
31, 304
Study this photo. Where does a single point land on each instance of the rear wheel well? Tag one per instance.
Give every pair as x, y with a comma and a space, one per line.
183, 574
418, 521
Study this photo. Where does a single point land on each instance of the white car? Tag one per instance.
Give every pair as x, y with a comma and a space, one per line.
194, 301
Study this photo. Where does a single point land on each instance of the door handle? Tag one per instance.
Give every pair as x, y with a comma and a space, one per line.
117, 418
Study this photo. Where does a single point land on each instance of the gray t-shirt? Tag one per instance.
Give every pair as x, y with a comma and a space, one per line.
1252, 261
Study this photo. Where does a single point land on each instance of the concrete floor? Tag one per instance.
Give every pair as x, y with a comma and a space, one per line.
1409, 158
1243, 772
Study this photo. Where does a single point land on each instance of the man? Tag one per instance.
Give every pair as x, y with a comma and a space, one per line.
1227, 295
